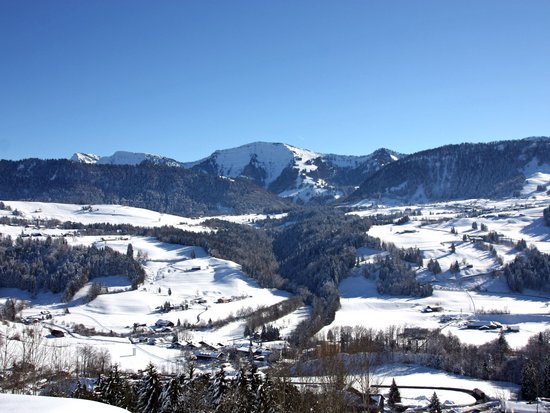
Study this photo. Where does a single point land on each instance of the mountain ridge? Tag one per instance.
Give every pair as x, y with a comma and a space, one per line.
286, 170
458, 171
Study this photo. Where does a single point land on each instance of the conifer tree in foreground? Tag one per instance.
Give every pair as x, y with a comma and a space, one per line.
435, 404
149, 391
394, 396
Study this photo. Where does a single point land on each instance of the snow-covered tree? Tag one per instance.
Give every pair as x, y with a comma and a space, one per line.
170, 395
149, 390
218, 389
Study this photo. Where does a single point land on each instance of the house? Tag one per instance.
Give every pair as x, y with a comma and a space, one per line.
432, 309
160, 323
207, 346
57, 333
209, 355
372, 403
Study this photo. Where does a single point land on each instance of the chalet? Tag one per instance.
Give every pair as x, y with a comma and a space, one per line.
432, 309
160, 323
223, 300
207, 346
57, 333
474, 324
483, 325
209, 355
372, 403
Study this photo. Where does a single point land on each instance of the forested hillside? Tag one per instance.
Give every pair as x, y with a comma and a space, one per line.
458, 172
156, 187
52, 265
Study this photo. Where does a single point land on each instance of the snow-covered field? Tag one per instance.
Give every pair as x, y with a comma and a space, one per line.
114, 214
363, 306
411, 375
473, 291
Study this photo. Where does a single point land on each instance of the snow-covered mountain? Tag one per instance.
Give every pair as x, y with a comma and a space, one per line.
124, 158
292, 172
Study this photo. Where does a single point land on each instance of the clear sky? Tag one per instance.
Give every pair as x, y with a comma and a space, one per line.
184, 78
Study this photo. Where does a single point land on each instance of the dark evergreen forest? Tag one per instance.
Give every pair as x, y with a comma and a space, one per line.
52, 265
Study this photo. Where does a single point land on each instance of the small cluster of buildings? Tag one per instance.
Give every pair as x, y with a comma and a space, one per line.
36, 318
490, 325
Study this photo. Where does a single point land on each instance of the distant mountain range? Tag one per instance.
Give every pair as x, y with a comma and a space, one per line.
263, 177
124, 158
282, 169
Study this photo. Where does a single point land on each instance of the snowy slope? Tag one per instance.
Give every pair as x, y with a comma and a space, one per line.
19, 403
272, 158
85, 157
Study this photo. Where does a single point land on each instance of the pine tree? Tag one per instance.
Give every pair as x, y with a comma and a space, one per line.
266, 397
170, 395
455, 268
394, 396
434, 266
130, 251
149, 391
244, 398
529, 385
435, 404
82, 392
114, 390
218, 389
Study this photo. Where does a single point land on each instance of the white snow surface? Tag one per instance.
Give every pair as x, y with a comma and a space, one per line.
413, 375
271, 157
113, 214
19, 403
85, 157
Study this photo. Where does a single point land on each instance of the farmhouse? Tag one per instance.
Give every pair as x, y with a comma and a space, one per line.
57, 333
210, 355
160, 323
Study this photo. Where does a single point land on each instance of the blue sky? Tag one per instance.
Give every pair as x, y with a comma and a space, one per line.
184, 78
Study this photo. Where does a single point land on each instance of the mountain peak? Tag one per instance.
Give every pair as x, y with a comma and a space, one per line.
293, 172
85, 157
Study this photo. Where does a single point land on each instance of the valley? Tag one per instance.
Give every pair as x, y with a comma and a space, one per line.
391, 285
